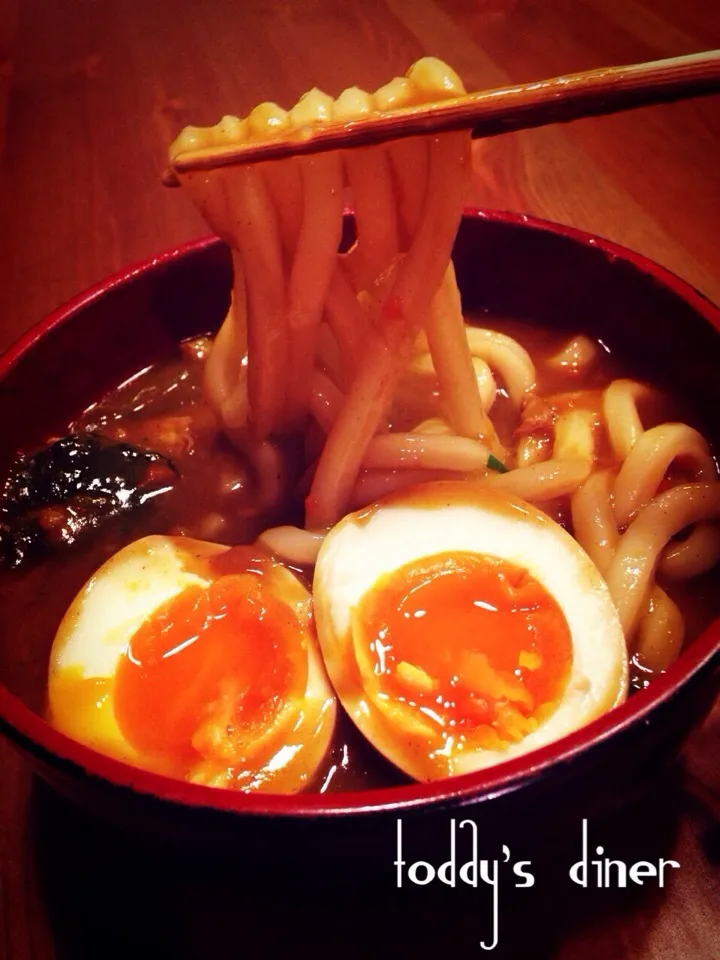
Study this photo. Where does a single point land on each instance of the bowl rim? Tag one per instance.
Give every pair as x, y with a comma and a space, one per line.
34, 734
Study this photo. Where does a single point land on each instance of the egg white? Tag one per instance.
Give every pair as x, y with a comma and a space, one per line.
124, 592
462, 517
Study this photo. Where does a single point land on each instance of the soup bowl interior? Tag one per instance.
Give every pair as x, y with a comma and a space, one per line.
506, 265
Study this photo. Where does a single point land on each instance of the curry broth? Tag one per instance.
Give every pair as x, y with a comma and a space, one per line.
216, 498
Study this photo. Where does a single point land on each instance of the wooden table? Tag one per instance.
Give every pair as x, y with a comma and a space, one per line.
90, 96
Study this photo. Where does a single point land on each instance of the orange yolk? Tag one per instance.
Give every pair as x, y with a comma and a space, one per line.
474, 643
208, 672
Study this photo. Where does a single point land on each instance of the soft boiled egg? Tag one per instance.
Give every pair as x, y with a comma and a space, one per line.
197, 661
461, 627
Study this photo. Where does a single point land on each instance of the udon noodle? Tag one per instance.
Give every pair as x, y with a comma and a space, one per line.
365, 354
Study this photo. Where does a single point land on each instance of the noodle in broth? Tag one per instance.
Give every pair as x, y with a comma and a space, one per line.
372, 346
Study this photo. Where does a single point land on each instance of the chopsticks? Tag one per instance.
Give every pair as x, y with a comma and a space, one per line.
488, 113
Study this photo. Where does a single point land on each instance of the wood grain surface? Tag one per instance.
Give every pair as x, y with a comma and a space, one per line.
91, 94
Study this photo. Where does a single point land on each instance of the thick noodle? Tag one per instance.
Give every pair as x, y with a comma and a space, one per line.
366, 355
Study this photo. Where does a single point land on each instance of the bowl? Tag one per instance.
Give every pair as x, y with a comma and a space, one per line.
506, 264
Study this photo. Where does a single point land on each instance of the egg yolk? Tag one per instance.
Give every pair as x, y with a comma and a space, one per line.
208, 674
473, 644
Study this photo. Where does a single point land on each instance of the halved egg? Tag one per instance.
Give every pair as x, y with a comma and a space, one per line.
198, 661
461, 627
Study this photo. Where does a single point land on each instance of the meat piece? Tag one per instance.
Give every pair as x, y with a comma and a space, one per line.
172, 435
540, 413
538, 416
